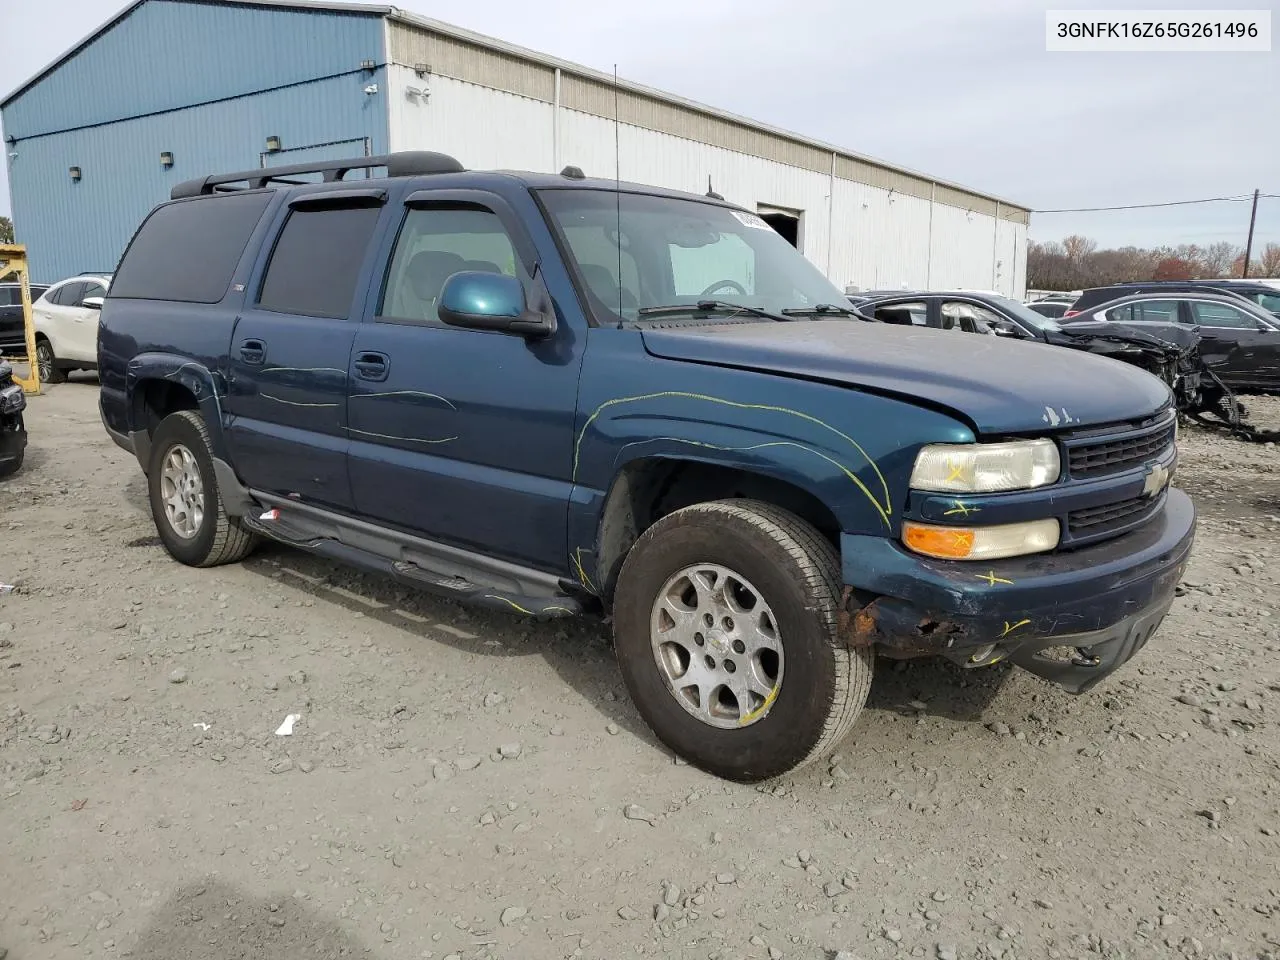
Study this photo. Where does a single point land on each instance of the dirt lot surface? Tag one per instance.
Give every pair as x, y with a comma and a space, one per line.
462, 785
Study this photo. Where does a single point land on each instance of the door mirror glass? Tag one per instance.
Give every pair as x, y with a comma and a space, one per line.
93, 303
489, 301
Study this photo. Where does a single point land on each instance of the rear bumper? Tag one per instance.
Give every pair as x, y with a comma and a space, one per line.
1107, 598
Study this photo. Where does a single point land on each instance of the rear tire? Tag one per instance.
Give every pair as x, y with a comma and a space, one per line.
819, 684
185, 502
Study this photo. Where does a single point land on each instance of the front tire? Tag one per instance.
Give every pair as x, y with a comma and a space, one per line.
47, 363
10, 467
185, 502
725, 629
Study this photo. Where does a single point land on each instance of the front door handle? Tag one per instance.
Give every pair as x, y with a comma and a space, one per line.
372, 366
253, 352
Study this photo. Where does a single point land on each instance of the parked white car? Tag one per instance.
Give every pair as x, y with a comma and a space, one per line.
66, 322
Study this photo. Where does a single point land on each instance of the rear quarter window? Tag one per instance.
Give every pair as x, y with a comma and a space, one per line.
187, 251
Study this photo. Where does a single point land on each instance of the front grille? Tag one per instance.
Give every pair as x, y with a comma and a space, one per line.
1094, 521
1114, 456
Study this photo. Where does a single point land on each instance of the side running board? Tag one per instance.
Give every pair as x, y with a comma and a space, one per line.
439, 568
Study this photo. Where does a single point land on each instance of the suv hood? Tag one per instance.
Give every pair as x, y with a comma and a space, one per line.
1000, 386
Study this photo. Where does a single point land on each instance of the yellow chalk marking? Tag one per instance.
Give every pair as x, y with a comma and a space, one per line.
510, 603
576, 557
961, 509
992, 579
884, 509
884, 515
759, 711
955, 471
1009, 629
561, 609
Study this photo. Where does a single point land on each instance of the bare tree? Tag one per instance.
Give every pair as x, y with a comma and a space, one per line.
1269, 264
1216, 259
1077, 247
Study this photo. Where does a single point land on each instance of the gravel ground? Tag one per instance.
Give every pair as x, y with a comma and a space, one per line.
461, 785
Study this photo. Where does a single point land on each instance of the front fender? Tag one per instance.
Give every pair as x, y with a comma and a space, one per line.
851, 450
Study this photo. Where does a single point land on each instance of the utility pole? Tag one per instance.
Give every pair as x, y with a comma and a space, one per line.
1248, 247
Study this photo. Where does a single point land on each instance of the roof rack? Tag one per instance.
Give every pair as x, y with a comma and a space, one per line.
409, 163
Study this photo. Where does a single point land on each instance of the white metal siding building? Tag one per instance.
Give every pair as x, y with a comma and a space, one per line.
345, 77
863, 222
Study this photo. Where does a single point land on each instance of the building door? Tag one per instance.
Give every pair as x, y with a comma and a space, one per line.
786, 222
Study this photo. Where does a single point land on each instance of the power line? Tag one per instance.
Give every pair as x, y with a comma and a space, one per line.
1171, 203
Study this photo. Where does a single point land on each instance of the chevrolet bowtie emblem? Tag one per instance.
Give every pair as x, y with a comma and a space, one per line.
1157, 479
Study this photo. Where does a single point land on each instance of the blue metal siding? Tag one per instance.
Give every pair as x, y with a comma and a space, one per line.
70, 227
168, 54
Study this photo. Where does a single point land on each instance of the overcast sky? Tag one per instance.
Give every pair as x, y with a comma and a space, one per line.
962, 91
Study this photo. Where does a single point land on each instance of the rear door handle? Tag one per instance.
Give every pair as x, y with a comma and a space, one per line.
372, 366
253, 351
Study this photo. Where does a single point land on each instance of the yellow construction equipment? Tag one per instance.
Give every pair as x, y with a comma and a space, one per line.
13, 260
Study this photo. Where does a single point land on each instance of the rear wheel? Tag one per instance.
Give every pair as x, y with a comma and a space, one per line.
47, 363
185, 502
725, 618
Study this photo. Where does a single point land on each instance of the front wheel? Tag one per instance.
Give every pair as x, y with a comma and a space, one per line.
725, 621
185, 502
47, 363
9, 467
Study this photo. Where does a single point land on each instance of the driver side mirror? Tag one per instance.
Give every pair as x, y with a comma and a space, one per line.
93, 303
1005, 328
491, 301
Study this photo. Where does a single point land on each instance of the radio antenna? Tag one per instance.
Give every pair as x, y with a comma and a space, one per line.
617, 184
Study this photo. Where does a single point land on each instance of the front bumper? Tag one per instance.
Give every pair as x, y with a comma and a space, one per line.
1106, 599
13, 438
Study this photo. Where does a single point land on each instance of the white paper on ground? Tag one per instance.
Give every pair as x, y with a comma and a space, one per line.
286, 728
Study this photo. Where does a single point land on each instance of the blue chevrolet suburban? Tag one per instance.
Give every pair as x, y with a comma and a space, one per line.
556, 395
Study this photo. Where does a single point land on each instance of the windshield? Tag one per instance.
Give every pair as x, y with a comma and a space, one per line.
1026, 316
636, 252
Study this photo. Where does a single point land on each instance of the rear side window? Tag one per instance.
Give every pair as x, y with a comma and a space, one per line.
8, 296
316, 263
187, 251
69, 294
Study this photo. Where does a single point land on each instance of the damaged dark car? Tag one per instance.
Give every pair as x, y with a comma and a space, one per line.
1154, 338
13, 432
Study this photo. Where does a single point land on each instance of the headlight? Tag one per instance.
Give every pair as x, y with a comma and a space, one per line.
981, 543
986, 467
12, 399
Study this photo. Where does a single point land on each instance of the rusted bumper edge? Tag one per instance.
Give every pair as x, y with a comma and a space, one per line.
1088, 609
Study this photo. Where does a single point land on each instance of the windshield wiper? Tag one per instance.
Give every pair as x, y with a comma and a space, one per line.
820, 309
718, 307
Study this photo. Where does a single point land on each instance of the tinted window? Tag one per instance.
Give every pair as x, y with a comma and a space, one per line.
9, 296
187, 251
1221, 315
434, 244
905, 314
1146, 311
317, 260
69, 294
93, 289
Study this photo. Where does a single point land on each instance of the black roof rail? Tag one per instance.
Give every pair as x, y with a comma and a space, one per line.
410, 163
